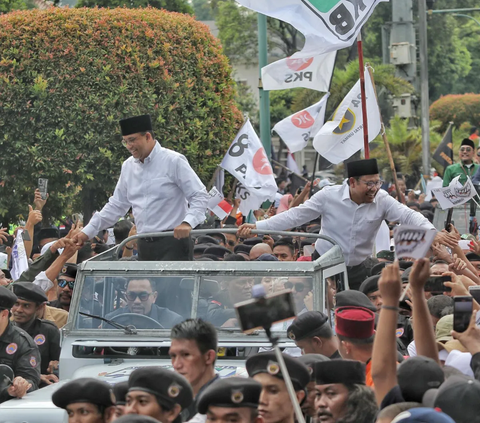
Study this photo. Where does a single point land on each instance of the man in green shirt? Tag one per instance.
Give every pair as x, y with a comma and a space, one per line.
466, 167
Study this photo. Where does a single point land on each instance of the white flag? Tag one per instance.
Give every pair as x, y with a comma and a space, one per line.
455, 194
19, 257
297, 129
412, 241
342, 137
250, 199
327, 25
292, 164
247, 162
309, 72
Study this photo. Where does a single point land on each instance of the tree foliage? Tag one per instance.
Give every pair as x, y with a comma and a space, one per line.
68, 75
181, 6
458, 108
203, 10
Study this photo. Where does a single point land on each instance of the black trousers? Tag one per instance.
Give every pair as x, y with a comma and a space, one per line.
356, 275
165, 249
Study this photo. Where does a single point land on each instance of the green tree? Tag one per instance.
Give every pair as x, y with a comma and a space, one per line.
81, 70
10, 5
181, 6
203, 10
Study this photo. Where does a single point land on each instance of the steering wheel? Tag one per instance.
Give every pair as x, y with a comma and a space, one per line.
146, 322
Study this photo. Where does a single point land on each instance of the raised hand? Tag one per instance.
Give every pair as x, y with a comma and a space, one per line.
419, 274
38, 202
34, 216
390, 285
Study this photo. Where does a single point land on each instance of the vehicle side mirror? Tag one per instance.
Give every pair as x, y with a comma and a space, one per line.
6, 376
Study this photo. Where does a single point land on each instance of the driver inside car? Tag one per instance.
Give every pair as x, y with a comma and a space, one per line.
141, 295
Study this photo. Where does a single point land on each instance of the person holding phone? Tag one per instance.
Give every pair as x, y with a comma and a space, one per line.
351, 214
163, 191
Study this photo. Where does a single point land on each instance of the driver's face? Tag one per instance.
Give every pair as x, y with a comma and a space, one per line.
140, 296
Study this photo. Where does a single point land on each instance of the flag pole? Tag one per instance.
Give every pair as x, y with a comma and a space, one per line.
400, 196
364, 97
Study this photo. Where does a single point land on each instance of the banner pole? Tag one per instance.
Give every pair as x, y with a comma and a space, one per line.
400, 196
364, 97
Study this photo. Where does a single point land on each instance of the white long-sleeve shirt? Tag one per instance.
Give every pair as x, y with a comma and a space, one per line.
163, 192
353, 226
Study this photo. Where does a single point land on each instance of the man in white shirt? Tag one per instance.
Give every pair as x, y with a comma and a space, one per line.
163, 191
351, 214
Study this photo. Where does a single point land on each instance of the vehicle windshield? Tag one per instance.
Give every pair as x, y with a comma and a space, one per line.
161, 302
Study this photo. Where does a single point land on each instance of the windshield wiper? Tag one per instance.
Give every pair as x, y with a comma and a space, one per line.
129, 330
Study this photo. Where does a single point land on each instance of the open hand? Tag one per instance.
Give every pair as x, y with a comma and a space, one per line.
49, 379
456, 285
470, 339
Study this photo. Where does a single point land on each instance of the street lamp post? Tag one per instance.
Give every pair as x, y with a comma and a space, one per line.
425, 100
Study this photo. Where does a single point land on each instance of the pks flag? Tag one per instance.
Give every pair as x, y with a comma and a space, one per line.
313, 72
327, 25
247, 162
444, 152
19, 257
455, 194
298, 128
342, 137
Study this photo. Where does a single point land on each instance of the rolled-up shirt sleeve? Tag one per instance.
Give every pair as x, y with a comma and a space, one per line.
398, 212
43, 282
116, 207
194, 191
296, 216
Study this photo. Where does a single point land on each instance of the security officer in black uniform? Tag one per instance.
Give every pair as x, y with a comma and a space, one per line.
44, 333
86, 397
232, 399
158, 393
18, 351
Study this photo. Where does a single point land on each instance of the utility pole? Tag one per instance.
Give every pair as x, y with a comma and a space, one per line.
425, 101
265, 135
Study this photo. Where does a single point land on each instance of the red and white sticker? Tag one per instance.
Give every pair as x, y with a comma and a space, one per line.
33, 361
11, 348
39, 339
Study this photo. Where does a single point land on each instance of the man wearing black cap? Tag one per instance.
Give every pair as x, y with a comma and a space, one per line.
275, 405
86, 400
163, 191
341, 392
351, 214
18, 351
312, 333
231, 400
158, 393
30, 298
120, 391
466, 168
66, 280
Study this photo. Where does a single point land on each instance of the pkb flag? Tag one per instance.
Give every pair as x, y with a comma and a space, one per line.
327, 25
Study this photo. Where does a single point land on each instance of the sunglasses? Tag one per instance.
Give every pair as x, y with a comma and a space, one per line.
299, 287
231, 243
132, 295
467, 149
62, 283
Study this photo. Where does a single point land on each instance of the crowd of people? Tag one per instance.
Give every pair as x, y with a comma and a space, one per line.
384, 350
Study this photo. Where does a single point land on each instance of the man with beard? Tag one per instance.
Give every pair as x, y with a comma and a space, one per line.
275, 405
45, 334
466, 168
340, 393
231, 400
141, 296
308, 406
220, 308
351, 214
66, 281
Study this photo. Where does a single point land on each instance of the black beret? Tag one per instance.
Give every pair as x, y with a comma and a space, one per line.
216, 235
386, 254
306, 325
217, 250
426, 206
28, 291
200, 248
377, 269
404, 264
46, 233
468, 142
120, 391
310, 359
406, 274
70, 270
352, 298
205, 239
136, 124
469, 256
253, 241
7, 273
242, 248
7, 298
339, 371
93, 391
169, 387
370, 284
136, 418
266, 362
230, 392
362, 167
